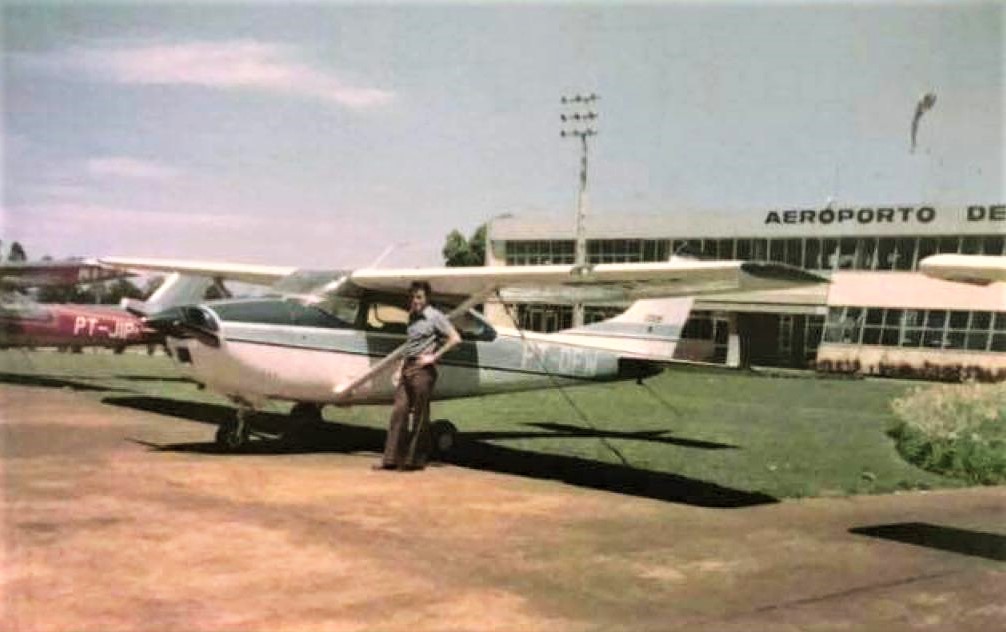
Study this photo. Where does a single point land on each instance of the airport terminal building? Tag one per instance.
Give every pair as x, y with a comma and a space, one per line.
878, 315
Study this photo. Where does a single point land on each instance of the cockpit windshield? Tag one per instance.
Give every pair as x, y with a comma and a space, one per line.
339, 312
293, 311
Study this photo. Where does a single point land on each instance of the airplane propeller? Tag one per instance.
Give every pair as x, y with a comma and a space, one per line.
184, 322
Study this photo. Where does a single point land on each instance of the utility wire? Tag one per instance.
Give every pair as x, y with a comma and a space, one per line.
555, 383
666, 404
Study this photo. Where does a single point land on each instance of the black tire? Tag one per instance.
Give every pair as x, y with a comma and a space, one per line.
444, 437
305, 420
307, 412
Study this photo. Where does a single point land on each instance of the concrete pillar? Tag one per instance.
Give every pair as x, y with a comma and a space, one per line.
733, 342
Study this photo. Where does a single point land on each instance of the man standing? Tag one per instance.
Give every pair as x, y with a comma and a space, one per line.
427, 329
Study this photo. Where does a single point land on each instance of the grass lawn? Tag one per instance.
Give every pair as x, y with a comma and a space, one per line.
781, 436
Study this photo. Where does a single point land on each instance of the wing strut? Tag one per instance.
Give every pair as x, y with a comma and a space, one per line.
345, 390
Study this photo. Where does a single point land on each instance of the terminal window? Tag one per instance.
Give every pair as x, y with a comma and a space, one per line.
901, 253
917, 328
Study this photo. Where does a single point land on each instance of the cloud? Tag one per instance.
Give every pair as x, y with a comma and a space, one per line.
82, 228
70, 217
316, 240
230, 65
125, 167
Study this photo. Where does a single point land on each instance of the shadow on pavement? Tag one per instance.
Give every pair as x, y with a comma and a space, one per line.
22, 379
566, 431
991, 546
471, 451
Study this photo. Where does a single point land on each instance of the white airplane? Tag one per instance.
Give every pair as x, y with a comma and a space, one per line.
977, 269
330, 337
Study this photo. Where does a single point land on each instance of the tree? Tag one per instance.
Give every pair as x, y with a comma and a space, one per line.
54, 294
455, 250
151, 286
17, 252
461, 252
477, 244
120, 289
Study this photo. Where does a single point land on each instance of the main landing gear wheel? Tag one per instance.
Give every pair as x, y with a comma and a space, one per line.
445, 437
233, 435
305, 418
306, 412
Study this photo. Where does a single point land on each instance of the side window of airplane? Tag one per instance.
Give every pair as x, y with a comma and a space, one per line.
337, 315
344, 309
471, 326
387, 318
392, 319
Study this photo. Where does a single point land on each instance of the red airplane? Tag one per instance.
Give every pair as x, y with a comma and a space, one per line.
26, 274
25, 323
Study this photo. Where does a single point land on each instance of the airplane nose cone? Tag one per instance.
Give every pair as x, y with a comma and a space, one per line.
165, 322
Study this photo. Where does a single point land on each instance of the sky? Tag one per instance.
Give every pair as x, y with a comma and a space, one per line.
318, 135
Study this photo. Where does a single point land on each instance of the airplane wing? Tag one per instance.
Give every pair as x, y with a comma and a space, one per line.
977, 269
601, 283
470, 285
244, 272
25, 274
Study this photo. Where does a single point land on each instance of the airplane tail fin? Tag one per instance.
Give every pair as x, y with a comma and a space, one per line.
649, 329
177, 289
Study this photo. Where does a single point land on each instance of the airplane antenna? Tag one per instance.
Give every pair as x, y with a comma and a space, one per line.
387, 251
578, 122
555, 383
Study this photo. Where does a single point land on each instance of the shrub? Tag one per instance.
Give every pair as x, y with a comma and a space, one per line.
957, 430
936, 372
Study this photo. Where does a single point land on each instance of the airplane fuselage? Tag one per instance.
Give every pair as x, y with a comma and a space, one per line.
41, 325
256, 362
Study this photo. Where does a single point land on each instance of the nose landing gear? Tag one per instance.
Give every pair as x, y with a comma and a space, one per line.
232, 435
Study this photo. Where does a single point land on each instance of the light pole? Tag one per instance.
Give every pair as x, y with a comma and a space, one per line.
578, 122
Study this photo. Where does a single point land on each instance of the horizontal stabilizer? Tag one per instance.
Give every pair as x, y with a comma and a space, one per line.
977, 269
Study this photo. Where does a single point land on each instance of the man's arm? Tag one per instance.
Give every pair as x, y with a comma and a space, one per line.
453, 340
445, 327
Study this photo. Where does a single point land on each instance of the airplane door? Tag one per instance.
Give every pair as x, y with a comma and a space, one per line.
721, 339
551, 320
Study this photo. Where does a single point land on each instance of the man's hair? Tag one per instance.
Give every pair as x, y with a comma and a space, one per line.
421, 285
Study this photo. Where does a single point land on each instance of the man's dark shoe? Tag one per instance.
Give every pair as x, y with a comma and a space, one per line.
410, 468
382, 467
